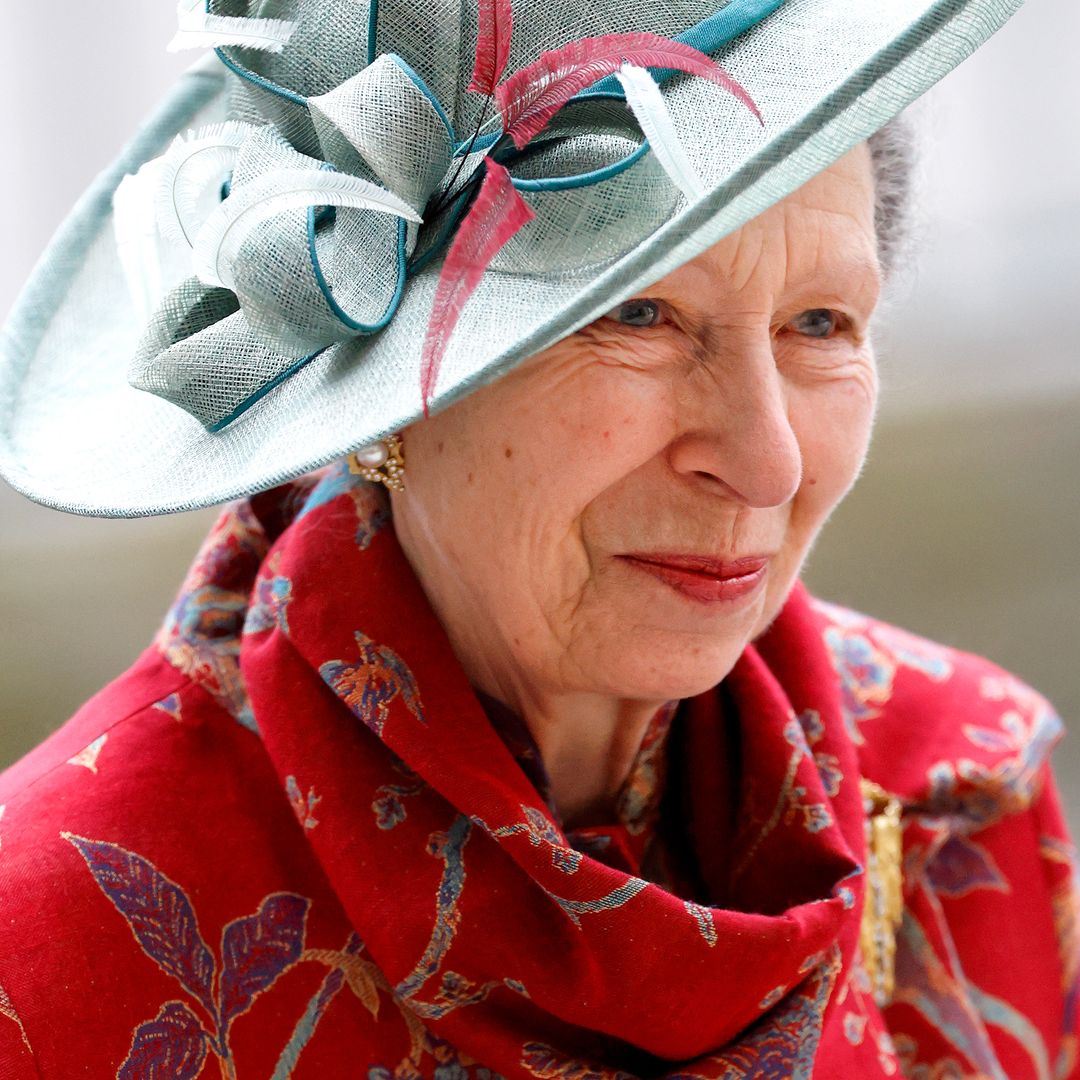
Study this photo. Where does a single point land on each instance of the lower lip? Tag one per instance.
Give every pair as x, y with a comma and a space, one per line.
702, 587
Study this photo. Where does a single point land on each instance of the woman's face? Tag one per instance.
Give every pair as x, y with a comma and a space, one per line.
624, 512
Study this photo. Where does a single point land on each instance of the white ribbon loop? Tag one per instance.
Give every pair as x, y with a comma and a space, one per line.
220, 239
193, 172
198, 29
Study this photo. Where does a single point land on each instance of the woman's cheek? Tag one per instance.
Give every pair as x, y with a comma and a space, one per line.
615, 409
646, 352
835, 422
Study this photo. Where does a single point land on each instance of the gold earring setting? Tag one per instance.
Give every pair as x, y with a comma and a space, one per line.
380, 463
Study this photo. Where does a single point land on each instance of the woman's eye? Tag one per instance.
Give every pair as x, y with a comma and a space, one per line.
637, 312
818, 323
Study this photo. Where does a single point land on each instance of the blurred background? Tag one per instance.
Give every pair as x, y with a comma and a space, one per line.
966, 524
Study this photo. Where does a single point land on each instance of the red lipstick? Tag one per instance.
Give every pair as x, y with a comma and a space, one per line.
701, 577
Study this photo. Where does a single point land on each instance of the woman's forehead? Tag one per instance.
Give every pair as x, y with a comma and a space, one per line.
821, 234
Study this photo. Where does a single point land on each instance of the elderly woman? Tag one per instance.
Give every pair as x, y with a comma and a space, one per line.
510, 745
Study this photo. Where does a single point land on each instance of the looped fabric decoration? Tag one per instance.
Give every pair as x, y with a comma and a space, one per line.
303, 231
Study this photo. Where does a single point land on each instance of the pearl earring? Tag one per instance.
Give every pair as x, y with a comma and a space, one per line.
381, 462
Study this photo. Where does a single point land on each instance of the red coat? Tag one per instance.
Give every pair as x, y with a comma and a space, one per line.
289, 842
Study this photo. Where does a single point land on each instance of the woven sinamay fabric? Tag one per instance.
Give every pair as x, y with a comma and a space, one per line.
116, 347
291, 842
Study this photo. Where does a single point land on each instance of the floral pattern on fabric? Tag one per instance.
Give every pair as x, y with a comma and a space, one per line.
786, 1046
966, 795
941, 993
303, 806
369, 502
950, 1018
867, 656
255, 950
370, 685
389, 804
863, 1024
171, 707
201, 635
8, 1010
270, 601
88, 755
638, 803
1060, 855
408, 888
631, 840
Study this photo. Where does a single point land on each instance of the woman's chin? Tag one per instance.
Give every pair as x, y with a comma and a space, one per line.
653, 642
649, 669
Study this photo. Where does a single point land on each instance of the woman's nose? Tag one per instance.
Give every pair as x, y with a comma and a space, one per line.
735, 431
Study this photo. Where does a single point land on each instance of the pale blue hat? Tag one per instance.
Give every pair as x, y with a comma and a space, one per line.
245, 295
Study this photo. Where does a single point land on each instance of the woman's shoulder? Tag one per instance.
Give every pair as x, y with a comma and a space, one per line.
153, 760
157, 755
129, 841
929, 719
150, 695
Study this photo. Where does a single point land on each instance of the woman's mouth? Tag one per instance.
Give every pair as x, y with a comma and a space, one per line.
703, 578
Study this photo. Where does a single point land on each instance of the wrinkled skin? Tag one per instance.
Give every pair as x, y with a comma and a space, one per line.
732, 428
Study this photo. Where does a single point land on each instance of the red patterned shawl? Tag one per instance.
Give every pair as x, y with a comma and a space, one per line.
309, 853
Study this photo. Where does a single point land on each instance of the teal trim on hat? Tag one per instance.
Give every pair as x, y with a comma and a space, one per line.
585, 179
277, 380
477, 145
724, 26
424, 89
258, 80
708, 36
328, 296
372, 30
554, 183
453, 216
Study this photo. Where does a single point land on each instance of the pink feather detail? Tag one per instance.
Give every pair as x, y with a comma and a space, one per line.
492, 44
496, 215
531, 97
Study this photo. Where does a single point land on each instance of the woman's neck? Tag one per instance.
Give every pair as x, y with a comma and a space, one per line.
588, 743
587, 740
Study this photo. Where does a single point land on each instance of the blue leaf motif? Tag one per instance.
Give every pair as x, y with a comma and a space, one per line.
158, 912
258, 948
961, 866
172, 1046
389, 809
989, 739
541, 1060
454, 1071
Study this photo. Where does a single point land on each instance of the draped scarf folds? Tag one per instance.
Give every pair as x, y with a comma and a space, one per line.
494, 935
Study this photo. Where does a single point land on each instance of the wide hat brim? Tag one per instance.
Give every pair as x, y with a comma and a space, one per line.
76, 436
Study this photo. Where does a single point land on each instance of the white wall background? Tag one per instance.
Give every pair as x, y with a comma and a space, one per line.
999, 263
980, 357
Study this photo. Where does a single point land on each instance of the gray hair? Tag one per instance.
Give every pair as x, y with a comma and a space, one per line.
892, 152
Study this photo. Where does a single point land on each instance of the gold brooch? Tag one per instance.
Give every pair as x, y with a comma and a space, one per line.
883, 907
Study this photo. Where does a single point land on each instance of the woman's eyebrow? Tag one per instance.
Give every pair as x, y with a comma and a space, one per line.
853, 277
858, 270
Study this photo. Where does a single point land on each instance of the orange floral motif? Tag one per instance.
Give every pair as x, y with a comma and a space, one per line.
369, 686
